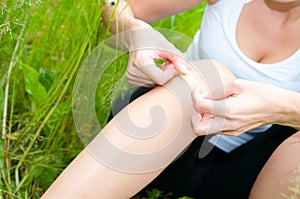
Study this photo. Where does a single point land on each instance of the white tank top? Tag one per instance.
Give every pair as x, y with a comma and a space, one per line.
216, 39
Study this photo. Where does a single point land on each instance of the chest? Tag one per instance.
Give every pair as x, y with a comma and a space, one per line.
263, 36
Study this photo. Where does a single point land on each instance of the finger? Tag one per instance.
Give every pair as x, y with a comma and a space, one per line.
140, 84
200, 124
196, 95
208, 106
195, 119
209, 125
134, 72
181, 66
167, 65
176, 61
139, 81
222, 92
158, 75
137, 77
150, 72
200, 104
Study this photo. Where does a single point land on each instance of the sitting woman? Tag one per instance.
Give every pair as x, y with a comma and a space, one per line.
256, 114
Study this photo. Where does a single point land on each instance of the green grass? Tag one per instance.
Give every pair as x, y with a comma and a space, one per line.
42, 45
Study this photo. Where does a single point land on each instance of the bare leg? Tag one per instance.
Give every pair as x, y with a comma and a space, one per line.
97, 172
280, 172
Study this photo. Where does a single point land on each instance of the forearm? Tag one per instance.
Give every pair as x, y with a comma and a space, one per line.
119, 17
154, 10
122, 15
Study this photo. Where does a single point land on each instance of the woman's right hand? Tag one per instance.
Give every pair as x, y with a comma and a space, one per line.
143, 71
145, 45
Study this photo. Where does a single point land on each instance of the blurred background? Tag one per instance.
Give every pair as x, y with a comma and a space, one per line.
42, 45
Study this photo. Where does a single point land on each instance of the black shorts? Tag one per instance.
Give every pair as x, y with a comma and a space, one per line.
219, 174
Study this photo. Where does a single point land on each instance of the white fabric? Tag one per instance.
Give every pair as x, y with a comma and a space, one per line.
216, 39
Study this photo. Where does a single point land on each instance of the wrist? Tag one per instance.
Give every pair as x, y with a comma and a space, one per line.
134, 24
127, 23
119, 17
288, 109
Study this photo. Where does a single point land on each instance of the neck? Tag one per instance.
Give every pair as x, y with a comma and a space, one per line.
288, 11
282, 6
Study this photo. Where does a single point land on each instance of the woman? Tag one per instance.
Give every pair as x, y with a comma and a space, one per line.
258, 41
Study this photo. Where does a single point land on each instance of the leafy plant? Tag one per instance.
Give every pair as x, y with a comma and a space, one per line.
42, 45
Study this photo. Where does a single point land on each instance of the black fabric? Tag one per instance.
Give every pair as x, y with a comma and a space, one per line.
219, 174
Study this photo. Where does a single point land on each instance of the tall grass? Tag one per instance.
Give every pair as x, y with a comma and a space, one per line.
42, 45
38, 134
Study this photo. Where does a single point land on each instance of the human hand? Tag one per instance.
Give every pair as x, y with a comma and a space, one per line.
238, 107
146, 46
142, 70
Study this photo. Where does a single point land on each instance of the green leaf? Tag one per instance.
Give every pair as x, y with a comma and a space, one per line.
32, 84
185, 197
1, 102
46, 77
2, 163
153, 194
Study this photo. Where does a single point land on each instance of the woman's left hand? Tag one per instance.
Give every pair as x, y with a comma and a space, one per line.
238, 107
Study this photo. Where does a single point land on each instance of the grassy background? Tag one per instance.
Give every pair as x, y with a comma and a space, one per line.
42, 45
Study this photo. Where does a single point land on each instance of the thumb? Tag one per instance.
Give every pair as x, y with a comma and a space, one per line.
177, 62
181, 66
156, 74
222, 92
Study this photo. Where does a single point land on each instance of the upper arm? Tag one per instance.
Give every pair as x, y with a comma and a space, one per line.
153, 10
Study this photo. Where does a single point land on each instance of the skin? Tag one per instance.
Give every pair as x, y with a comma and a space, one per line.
276, 27
267, 32
273, 38
282, 6
151, 11
280, 172
87, 177
273, 30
